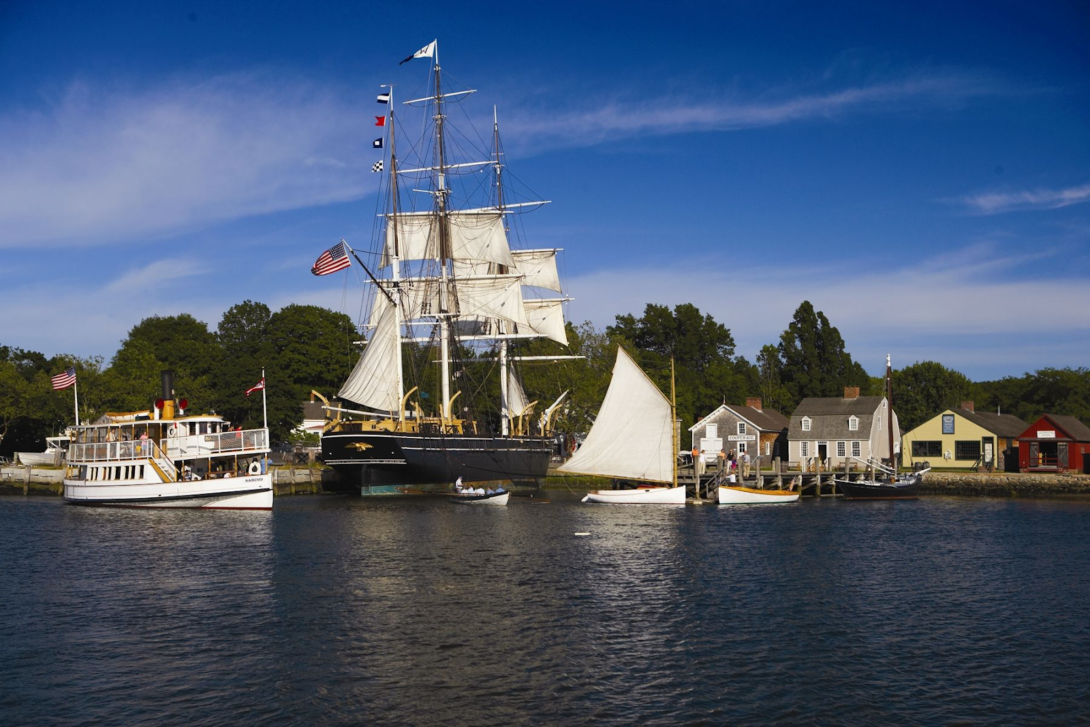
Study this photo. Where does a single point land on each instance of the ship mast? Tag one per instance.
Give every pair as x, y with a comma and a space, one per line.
889, 416
395, 257
505, 409
444, 250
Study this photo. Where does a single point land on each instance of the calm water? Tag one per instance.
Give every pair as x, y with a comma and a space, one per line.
336, 611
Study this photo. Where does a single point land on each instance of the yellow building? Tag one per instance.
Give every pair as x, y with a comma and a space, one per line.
966, 439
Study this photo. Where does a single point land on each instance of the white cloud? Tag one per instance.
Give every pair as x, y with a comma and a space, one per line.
991, 203
106, 166
963, 310
730, 111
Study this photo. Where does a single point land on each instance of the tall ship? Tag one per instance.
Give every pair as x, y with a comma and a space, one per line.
165, 458
451, 293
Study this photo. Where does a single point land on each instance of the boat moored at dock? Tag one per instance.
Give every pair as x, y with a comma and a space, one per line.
165, 459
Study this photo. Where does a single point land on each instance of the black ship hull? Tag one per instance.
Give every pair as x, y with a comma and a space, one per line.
902, 489
404, 463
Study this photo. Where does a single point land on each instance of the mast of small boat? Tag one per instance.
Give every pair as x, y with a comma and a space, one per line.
889, 416
673, 426
395, 256
444, 249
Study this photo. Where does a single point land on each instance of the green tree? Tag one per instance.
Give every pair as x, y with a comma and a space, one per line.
244, 339
924, 389
14, 397
774, 394
814, 362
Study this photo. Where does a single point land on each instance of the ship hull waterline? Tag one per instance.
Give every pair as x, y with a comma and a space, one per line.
253, 492
399, 464
878, 491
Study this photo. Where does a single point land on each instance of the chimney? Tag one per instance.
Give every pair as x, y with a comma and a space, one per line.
754, 402
851, 392
967, 405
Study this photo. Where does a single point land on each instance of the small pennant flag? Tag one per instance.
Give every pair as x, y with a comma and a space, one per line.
256, 387
427, 51
380, 121
377, 166
64, 380
384, 98
334, 259
377, 143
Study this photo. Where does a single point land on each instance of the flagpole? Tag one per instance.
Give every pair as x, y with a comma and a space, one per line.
75, 392
264, 404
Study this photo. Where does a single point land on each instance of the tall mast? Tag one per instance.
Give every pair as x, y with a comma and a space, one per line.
889, 413
396, 258
505, 409
444, 248
673, 428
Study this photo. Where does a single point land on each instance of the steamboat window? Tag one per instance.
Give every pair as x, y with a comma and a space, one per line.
203, 428
967, 450
927, 449
841, 449
857, 449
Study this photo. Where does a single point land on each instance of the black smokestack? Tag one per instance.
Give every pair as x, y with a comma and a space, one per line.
166, 378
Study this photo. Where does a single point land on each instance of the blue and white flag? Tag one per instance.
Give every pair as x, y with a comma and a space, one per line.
427, 51
377, 143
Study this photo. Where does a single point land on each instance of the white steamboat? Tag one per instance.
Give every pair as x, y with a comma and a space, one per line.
164, 458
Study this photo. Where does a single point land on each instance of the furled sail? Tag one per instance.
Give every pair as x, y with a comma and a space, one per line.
474, 235
538, 268
632, 438
373, 382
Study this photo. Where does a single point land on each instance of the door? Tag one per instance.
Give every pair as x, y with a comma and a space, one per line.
822, 451
987, 451
1061, 455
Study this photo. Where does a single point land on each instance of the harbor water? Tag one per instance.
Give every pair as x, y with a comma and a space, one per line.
336, 611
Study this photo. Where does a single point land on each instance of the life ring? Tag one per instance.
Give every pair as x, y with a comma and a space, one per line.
174, 431
255, 468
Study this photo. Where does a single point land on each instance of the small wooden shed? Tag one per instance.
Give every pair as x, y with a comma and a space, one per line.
1055, 443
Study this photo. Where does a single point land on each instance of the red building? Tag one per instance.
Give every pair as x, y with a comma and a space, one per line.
1055, 443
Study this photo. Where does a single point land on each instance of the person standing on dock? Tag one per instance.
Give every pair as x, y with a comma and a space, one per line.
745, 465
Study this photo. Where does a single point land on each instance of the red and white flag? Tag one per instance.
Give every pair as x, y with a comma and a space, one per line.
257, 387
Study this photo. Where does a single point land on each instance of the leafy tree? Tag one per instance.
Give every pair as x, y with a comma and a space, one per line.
814, 362
1048, 391
244, 338
774, 394
924, 389
14, 396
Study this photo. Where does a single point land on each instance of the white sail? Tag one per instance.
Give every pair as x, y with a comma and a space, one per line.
538, 268
546, 317
373, 382
516, 397
498, 296
474, 235
632, 438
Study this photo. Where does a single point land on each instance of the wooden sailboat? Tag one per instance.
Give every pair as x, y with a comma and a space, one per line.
632, 439
448, 287
889, 485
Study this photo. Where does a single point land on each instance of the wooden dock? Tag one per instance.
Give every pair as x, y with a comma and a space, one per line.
773, 476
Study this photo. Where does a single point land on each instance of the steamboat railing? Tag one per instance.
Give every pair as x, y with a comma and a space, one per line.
248, 441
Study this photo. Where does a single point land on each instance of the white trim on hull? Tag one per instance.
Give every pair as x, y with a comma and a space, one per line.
642, 496
252, 492
749, 496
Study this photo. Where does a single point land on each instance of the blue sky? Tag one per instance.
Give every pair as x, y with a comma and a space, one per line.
919, 171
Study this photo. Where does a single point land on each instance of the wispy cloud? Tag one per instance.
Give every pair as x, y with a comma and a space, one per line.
991, 203
960, 309
731, 111
111, 165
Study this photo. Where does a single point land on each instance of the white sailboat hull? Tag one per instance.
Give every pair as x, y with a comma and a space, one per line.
253, 492
749, 496
644, 496
37, 459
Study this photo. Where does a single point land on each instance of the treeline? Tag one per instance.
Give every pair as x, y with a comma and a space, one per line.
308, 347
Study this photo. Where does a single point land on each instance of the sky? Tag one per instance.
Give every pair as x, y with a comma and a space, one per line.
919, 171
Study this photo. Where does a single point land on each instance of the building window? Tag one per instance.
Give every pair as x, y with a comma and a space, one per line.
711, 431
857, 449
853, 424
804, 449
967, 450
741, 427
806, 424
841, 449
768, 449
927, 449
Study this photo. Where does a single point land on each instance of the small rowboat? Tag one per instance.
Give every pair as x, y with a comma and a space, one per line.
750, 496
491, 498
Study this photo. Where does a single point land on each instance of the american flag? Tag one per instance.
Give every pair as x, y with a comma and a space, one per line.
64, 380
334, 259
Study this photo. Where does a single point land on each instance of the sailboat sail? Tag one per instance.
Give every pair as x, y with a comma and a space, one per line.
373, 382
516, 397
632, 438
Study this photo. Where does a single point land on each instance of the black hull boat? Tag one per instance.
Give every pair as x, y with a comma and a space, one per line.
405, 463
903, 488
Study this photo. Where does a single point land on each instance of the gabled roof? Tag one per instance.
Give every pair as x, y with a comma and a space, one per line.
829, 417
1004, 425
816, 406
766, 420
1069, 424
